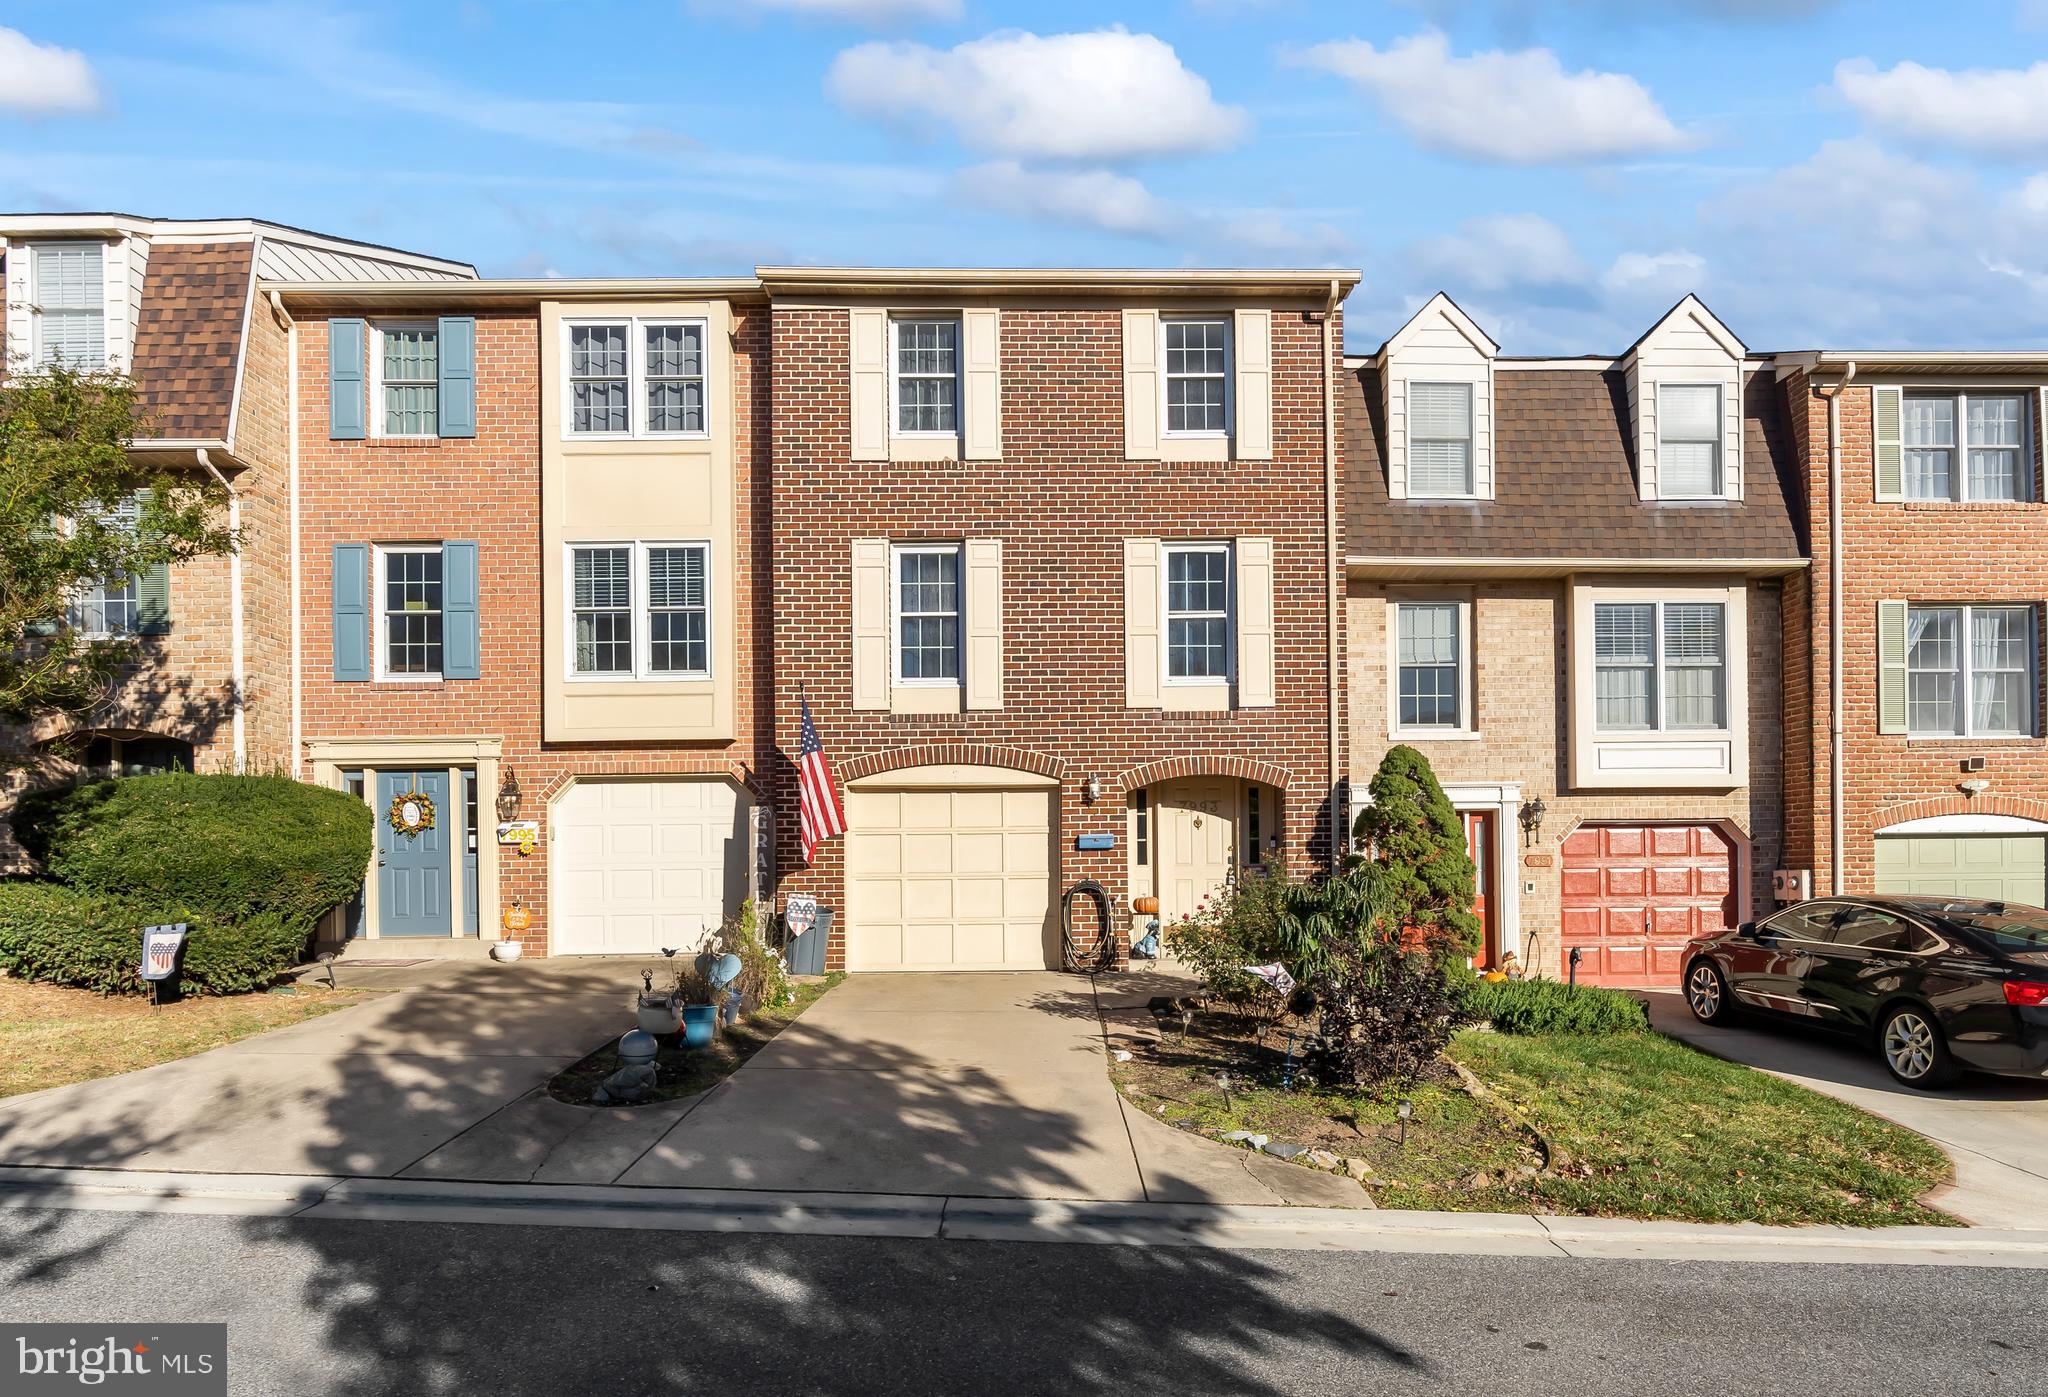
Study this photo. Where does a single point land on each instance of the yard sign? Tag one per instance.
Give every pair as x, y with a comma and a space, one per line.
160, 950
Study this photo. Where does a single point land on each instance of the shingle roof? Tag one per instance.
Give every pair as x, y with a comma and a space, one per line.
188, 336
1564, 481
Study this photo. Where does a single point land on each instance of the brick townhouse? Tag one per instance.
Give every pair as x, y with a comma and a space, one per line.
1917, 752
1567, 583
176, 305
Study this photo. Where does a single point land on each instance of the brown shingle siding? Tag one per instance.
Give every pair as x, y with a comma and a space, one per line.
188, 336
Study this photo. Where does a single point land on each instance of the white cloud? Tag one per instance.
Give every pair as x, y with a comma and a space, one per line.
1105, 96
1996, 111
1500, 251
42, 79
1091, 198
1518, 108
1280, 235
868, 12
1670, 273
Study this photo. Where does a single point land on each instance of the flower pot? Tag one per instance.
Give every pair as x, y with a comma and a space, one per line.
506, 951
660, 1015
700, 1025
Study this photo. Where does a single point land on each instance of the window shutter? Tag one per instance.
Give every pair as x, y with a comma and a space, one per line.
984, 622
352, 612
1143, 661
869, 408
982, 377
457, 405
1891, 666
1255, 623
153, 600
461, 655
1886, 408
345, 416
1141, 385
870, 622
1254, 387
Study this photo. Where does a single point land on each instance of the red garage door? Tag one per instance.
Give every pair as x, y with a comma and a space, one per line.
1633, 895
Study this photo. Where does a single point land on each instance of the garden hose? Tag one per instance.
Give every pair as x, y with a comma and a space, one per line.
1105, 953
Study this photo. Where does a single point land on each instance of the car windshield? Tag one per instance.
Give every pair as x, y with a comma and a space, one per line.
2007, 928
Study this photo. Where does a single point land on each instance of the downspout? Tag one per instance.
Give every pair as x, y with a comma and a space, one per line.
238, 658
291, 332
1836, 822
1339, 818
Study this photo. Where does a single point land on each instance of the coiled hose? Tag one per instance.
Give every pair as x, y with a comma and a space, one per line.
1104, 956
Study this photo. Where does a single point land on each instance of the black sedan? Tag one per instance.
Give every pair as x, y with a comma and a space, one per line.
1935, 984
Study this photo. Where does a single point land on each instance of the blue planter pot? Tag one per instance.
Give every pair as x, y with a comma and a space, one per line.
700, 1023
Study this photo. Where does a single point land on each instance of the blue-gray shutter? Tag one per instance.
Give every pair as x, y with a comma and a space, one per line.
352, 612
460, 655
458, 376
345, 415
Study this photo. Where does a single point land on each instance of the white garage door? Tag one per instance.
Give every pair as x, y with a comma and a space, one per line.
949, 880
644, 864
2000, 867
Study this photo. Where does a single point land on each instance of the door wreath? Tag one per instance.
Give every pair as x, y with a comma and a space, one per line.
412, 813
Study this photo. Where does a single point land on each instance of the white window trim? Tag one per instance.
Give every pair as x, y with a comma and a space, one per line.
380, 668
1205, 681
107, 307
1471, 490
1467, 729
376, 377
1659, 667
636, 377
959, 324
1959, 467
1664, 492
638, 595
1166, 431
1964, 673
897, 551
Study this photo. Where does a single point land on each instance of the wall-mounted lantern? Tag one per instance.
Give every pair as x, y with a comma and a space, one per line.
1532, 820
508, 796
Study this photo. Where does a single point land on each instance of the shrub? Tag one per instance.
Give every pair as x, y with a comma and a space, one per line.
1386, 1016
1240, 925
1413, 833
233, 849
74, 936
1546, 1006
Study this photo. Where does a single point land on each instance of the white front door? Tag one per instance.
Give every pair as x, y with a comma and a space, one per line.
1197, 821
645, 864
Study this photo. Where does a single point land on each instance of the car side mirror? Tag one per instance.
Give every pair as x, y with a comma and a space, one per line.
1747, 931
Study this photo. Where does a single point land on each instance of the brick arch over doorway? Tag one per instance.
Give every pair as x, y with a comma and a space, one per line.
952, 754
1174, 768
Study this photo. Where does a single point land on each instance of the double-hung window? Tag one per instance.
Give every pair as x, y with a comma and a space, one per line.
1197, 375
1439, 440
928, 614
924, 380
410, 600
1990, 462
1660, 666
1970, 671
110, 607
636, 378
1198, 613
70, 304
1689, 441
1429, 656
639, 610
407, 360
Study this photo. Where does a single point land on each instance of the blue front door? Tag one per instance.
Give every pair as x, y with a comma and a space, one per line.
414, 870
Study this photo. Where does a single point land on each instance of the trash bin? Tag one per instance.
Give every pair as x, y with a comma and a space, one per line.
806, 954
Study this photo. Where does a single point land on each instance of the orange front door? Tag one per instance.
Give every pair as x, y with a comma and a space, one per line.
1479, 844
1634, 894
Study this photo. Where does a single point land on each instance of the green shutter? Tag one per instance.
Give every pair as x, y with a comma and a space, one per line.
458, 376
1891, 666
1886, 409
153, 600
345, 412
460, 658
352, 612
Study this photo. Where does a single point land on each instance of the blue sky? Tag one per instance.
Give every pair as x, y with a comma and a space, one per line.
1823, 173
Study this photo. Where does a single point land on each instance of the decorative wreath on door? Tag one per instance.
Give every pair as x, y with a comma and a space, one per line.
412, 813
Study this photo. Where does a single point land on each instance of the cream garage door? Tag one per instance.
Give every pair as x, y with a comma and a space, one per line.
2000, 867
644, 864
941, 879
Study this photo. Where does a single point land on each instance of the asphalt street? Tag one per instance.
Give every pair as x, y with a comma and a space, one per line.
317, 1307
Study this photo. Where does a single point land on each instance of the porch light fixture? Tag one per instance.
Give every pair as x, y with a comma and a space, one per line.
508, 796
1532, 819
1975, 786
1093, 789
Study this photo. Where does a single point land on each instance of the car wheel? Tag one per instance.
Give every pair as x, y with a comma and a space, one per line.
1706, 993
1914, 1049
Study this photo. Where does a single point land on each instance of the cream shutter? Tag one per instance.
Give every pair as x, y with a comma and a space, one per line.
869, 407
1886, 408
1143, 662
1141, 385
984, 630
1254, 343
981, 359
1891, 666
1255, 623
871, 623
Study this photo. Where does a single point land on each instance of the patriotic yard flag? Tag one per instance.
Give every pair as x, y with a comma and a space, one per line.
817, 801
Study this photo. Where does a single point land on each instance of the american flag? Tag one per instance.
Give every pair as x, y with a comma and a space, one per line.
816, 798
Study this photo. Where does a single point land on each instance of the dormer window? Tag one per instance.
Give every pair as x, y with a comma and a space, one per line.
1440, 440
1689, 440
70, 303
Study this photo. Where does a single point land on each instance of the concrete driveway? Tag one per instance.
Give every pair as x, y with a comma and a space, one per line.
1995, 1129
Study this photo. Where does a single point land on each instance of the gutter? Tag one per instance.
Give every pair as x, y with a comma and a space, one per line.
238, 656
1836, 822
1334, 581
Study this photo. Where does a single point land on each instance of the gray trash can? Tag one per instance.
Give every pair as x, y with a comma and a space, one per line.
806, 954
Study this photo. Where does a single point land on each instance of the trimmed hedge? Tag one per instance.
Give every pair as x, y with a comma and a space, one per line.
233, 849
73, 936
1548, 1006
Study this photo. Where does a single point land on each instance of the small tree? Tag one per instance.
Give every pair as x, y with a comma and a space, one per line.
1412, 833
76, 509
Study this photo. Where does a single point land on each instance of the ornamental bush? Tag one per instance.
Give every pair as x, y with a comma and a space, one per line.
1413, 833
1546, 1006
76, 936
1236, 927
234, 850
